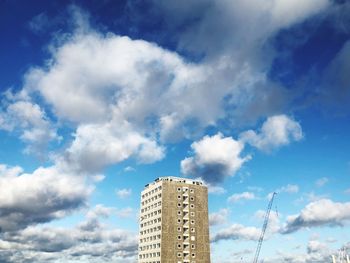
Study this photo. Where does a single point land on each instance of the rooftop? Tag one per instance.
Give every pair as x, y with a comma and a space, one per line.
176, 179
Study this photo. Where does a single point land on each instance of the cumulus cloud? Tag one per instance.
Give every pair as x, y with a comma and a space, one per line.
219, 217
237, 232
323, 212
46, 194
132, 95
98, 145
274, 224
123, 193
289, 189
128, 80
30, 121
242, 196
127, 212
129, 169
215, 157
315, 252
7, 171
88, 241
315, 246
138, 95
215, 189
99, 211
276, 131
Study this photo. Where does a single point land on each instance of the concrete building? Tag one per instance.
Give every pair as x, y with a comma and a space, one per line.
174, 225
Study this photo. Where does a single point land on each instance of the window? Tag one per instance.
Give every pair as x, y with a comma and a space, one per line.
191, 191
179, 246
179, 189
179, 213
179, 238
179, 221
179, 197
193, 246
192, 206
192, 213
178, 205
193, 255
192, 222
193, 230
179, 255
179, 229
192, 198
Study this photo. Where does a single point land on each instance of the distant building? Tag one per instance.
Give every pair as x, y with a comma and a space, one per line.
174, 225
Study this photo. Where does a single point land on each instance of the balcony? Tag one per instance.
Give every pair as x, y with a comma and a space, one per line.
185, 199
185, 215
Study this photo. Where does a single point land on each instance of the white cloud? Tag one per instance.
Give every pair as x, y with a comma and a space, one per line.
6, 171
215, 157
89, 241
289, 188
129, 169
132, 94
275, 132
219, 217
316, 246
274, 224
98, 145
242, 196
237, 232
316, 252
127, 212
215, 189
321, 182
39, 197
123, 193
127, 80
136, 94
323, 212
99, 211
32, 123
98, 178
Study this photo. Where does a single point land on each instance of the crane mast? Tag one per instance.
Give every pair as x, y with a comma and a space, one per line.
263, 230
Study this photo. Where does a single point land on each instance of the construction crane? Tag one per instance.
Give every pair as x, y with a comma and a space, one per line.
263, 230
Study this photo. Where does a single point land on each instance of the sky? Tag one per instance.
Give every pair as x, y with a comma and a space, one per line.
99, 98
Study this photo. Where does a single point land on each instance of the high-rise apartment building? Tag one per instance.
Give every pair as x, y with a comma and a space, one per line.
174, 225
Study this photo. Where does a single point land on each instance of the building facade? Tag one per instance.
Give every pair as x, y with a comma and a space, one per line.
174, 225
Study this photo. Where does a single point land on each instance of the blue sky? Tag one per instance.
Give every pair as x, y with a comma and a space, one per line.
99, 98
